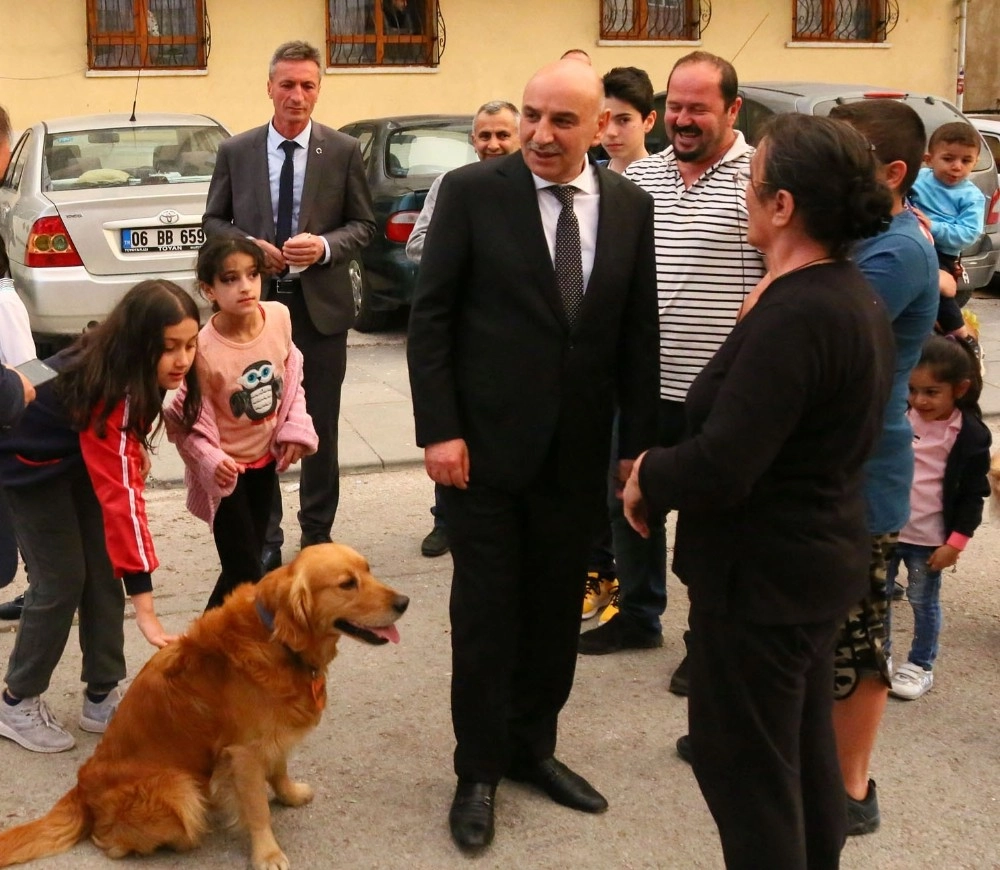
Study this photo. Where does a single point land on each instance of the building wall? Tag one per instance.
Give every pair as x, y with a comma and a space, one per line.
492, 48
982, 60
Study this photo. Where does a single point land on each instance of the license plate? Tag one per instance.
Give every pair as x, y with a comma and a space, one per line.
155, 240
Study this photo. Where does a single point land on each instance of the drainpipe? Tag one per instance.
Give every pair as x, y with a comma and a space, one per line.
963, 16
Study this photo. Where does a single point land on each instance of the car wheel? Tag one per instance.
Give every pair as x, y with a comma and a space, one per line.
365, 320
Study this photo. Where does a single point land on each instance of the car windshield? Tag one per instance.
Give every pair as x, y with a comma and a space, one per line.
126, 156
427, 150
932, 112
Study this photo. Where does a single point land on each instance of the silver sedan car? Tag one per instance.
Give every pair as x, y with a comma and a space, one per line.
91, 205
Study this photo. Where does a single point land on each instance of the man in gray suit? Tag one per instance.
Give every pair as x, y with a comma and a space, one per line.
299, 190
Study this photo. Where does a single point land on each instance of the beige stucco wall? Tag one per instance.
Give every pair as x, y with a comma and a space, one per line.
982, 60
491, 50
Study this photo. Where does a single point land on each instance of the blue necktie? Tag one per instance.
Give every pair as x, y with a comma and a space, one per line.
283, 229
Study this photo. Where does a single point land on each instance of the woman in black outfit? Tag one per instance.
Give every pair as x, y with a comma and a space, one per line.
771, 537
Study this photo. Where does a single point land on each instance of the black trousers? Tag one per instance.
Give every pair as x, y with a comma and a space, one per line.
520, 569
239, 528
325, 364
760, 719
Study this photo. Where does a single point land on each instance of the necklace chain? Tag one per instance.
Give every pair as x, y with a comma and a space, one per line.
825, 259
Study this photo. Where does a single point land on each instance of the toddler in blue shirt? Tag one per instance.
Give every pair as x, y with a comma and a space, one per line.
955, 208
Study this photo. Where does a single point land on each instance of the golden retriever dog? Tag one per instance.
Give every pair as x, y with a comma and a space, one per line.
209, 721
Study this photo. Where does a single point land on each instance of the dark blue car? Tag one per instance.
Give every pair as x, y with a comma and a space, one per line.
402, 158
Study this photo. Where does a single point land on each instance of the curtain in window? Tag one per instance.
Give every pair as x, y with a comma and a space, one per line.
843, 19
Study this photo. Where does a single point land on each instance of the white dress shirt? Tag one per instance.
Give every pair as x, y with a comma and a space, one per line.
275, 160
586, 204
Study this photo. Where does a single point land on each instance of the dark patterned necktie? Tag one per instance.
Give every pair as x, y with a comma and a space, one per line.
569, 260
283, 229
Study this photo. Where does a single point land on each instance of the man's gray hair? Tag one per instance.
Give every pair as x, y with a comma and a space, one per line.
295, 50
495, 107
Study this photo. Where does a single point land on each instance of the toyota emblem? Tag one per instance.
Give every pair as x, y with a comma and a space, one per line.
169, 216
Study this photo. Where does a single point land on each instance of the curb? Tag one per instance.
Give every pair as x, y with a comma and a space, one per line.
157, 483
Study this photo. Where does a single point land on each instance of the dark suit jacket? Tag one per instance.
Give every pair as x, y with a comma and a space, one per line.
336, 204
492, 358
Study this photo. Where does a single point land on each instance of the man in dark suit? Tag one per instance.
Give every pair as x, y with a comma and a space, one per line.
535, 310
299, 189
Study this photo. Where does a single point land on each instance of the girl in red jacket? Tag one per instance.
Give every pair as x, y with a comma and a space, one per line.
73, 471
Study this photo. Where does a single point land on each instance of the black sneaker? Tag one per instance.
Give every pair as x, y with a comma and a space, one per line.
615, 635
12, 609
436, 543
679, 678
684, 749
863, 817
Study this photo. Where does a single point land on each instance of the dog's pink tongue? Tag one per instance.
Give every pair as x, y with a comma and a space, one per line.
390, 632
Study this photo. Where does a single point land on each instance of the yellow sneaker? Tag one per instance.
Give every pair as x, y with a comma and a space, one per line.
598, 594
612, 608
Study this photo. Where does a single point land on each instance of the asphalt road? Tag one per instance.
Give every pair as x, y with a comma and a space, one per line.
380, 761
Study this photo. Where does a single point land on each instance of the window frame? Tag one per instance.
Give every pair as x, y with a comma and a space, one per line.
878, 15
378, 41
639, 30
141, 41
18, 159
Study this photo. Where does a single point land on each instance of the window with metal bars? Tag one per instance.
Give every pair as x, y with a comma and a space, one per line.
384, 33
147, 34
654, 19
844, 20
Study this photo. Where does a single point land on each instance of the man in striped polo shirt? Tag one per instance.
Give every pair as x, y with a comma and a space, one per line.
705, 269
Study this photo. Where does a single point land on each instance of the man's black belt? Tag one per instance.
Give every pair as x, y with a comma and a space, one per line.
287, 286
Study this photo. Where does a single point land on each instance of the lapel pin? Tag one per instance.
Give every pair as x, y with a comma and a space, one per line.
319, 150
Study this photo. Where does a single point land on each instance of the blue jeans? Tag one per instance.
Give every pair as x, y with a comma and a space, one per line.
641, 563
437, 511
923, 591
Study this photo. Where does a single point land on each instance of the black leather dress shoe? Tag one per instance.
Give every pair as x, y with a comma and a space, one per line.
312, 539
12, 609
471, 815
270, 558
561, 784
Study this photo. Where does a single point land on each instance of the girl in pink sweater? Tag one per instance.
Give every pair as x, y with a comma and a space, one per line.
253, 422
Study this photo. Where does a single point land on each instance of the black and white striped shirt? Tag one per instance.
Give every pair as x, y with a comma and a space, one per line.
704, 266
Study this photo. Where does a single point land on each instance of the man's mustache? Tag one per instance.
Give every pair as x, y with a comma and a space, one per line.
548, 150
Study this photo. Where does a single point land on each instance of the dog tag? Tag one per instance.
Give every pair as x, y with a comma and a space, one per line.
319, 691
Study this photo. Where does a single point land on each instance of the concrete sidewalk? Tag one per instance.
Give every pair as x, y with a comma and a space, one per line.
376, 417
376, 420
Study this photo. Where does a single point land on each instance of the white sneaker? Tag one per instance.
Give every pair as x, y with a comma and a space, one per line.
32, 725
911, 681
95, 717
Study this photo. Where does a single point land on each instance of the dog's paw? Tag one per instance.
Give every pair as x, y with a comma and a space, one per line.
272, 860
295, 794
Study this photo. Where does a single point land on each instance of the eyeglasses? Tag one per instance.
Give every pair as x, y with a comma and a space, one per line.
743, 178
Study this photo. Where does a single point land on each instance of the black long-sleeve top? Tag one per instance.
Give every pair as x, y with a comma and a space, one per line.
771, 524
